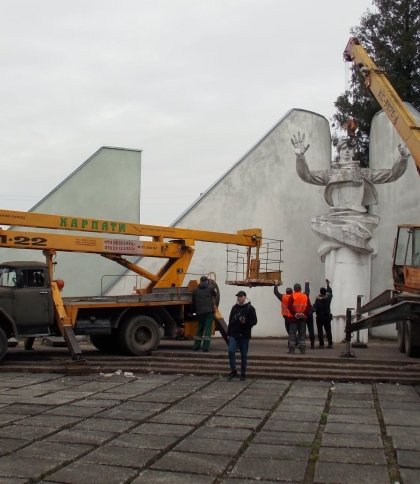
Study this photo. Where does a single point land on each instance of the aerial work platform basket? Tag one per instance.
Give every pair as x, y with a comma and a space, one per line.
254, 266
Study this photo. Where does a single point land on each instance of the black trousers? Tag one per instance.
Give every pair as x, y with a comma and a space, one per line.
287, 324
310, 326
323, 321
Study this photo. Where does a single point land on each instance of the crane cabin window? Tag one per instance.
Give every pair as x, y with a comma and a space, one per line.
416, 248
31, 278
7, 277
408, 247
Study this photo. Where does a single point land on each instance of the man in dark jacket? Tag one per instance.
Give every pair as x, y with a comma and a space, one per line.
310, 318
241, 320
203, 300
322, 308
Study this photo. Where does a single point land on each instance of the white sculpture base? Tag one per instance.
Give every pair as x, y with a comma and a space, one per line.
349, 274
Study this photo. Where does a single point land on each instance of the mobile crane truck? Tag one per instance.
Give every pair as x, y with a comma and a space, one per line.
400, 305
31, 304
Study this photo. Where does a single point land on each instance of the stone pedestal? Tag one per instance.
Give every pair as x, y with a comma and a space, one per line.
349, 274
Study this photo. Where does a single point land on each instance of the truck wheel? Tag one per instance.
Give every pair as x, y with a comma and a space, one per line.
3, 344
140, 335
401, 336
105, 342
412, 347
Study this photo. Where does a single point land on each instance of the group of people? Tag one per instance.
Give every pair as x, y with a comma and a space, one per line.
296, 308
298, 313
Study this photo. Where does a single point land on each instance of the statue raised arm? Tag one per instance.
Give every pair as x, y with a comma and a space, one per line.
298, 143
319, 177
349, 189
302, 168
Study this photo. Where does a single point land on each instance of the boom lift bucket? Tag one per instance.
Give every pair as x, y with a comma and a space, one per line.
254, 266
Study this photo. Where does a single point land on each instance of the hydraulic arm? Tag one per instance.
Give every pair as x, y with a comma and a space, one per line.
174, 244
378, 84
249, 237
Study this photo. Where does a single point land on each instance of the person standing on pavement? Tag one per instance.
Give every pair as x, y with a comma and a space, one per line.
310, 318
322, 308
203, 301
299, 308
242, 319
284, 299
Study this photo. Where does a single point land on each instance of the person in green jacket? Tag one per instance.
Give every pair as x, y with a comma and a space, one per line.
203, 300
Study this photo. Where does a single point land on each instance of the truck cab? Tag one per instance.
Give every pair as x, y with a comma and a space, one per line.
406, 264
26, 304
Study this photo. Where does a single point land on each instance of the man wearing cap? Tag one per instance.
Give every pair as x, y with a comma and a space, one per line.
241, 320
203, 300
299, 308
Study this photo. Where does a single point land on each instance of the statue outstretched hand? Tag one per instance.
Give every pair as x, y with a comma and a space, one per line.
403, 151
298, 143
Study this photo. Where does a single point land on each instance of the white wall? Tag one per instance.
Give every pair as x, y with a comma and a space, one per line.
263, 190
106, 186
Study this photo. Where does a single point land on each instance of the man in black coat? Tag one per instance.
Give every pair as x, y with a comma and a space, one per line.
322, 308
203, 300
310, 318
242, 318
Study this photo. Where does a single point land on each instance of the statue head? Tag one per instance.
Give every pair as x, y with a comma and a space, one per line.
345, 150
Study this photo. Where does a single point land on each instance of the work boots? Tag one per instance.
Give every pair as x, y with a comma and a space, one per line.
233, 374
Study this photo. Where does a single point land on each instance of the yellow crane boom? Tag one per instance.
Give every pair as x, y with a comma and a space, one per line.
248, 237
380, 87
127, 239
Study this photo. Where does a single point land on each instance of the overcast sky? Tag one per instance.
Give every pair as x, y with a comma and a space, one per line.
192, 83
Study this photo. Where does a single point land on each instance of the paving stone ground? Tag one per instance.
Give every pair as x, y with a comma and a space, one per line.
191, 429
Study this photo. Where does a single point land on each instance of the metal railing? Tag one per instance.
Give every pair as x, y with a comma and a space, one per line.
252, 266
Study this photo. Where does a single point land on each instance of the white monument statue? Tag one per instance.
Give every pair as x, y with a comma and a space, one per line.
346, 231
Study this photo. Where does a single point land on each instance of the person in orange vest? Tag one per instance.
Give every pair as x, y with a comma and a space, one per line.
298, 306
284, 299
